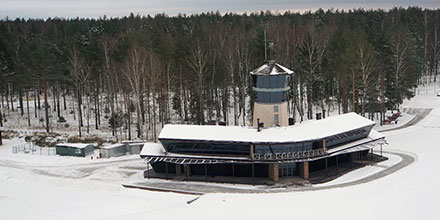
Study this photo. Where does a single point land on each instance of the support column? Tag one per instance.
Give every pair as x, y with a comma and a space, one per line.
304, 170
206, 173
146, 172
253, 173
178, 169
273, 172
337, 165
187, 170
233, 173
380, 150
166, 169
352, 159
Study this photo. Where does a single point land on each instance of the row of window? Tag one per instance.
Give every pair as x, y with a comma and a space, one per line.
287, 169
206, 148
244, 149
271, 97
346, 137
282, 148
271, 82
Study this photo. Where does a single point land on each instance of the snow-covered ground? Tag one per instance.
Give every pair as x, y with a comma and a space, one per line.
53, 187
365, 171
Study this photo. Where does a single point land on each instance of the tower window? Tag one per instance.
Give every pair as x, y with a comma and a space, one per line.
275, 108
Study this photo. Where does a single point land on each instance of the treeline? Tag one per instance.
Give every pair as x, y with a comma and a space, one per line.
194, 69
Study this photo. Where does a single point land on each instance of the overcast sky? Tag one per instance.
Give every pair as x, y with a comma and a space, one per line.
119, 8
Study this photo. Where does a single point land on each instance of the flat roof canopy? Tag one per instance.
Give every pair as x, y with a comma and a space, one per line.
306, 131
154, 152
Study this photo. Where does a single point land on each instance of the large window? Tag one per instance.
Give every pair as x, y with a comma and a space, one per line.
271, 97
206, 148
339, 139
271, 82
287, 169
283, 148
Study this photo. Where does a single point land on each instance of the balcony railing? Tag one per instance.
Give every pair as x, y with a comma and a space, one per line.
291, 155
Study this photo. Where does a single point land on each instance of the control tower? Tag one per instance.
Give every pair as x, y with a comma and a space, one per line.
271, 89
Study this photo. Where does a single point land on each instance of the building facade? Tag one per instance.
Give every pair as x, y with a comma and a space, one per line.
271, 90
74, 149
271, 148
271, 152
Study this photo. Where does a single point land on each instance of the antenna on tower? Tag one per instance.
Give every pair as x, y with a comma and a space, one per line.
265, 46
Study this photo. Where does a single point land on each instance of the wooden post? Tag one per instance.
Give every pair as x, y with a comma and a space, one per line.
187, 169
178, 170
1, 141
252, 152
304, 170
273, 172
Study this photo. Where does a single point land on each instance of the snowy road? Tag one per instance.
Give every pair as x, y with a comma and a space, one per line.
412, 192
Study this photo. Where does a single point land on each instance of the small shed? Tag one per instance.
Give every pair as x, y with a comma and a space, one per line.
133, 147
114, 150
74, 149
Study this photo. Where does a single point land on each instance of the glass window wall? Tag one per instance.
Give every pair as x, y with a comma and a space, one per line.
207, 148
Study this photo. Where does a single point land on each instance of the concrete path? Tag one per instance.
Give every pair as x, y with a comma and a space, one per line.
407, 159
419, 114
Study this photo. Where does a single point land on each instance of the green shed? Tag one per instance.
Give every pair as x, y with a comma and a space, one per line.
75, 149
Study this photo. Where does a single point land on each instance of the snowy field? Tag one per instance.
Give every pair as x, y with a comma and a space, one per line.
52, 187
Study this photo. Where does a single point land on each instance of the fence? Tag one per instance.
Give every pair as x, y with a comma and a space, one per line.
30, 148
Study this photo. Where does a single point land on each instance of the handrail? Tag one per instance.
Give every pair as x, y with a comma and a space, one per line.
291, 155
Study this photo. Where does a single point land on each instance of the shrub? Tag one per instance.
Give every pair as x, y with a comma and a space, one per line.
88, 139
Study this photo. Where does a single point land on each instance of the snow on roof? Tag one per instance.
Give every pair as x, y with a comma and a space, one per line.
112, 146
153, 149
75, 145
133, 142
310, 130
271, 69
